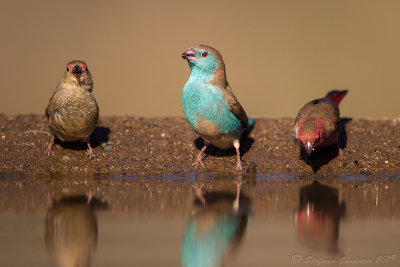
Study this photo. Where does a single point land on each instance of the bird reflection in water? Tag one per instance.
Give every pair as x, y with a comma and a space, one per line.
317, 217
71, 229
217, 229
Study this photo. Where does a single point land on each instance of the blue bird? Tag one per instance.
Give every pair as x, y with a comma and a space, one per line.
216, 231
209, 104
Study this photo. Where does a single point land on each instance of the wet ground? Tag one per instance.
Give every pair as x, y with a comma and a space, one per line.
167, 146
140, 202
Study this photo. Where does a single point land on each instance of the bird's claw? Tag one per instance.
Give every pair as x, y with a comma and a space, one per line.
198, 162
49, 150
90, 154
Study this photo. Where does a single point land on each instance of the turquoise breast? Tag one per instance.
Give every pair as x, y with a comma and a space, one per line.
206, 109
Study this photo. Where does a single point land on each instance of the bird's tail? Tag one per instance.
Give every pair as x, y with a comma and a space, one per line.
251, 122
336, 95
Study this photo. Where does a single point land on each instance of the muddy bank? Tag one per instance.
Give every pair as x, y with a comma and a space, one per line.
167, 146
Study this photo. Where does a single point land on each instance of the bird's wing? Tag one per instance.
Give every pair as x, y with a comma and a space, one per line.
48, 108
234, 106
321, 108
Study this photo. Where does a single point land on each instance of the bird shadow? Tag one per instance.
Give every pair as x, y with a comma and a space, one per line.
322, 156
99, 136
245, 144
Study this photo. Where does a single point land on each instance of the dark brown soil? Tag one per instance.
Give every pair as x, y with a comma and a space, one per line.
167, 146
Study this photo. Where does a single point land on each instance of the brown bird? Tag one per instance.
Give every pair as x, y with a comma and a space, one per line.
71, 231
317, 123
72, 111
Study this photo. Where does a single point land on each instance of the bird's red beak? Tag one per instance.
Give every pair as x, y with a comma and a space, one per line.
189, 55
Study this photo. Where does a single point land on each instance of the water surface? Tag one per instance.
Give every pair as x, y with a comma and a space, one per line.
201, 220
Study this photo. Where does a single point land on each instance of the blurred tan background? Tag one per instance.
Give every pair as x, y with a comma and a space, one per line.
279, 54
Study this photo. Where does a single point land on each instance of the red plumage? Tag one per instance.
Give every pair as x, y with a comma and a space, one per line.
317, 123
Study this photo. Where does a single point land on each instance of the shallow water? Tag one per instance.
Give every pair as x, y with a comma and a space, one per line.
170, 221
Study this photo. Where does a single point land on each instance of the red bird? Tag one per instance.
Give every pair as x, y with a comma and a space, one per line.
317, 123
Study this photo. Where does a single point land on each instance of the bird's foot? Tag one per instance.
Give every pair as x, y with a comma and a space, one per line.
239, 166
341, 157
198, 162
89, 152
199, 158
49, 150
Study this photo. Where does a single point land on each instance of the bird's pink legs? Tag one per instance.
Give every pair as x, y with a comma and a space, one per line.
199, 158
89, 196
90, 153
49, 150
236, 201
340, 153
199, 193
236, 144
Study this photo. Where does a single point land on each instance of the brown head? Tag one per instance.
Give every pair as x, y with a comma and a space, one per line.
311, 134
77, 72
204, 61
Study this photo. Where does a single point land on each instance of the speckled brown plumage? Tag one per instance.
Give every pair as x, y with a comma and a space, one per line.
72, 111
71, 230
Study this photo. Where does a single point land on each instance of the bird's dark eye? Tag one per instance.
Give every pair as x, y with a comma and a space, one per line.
67, 68
205, 54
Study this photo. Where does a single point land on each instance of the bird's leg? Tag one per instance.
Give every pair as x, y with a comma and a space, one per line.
199, 158
236, 201
49, 150
199, 194
89, 196
340, 153
90, 153
340, 194
236, 144
50, 201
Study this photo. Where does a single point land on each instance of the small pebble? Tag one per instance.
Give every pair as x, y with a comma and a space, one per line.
66, 158
107, 148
